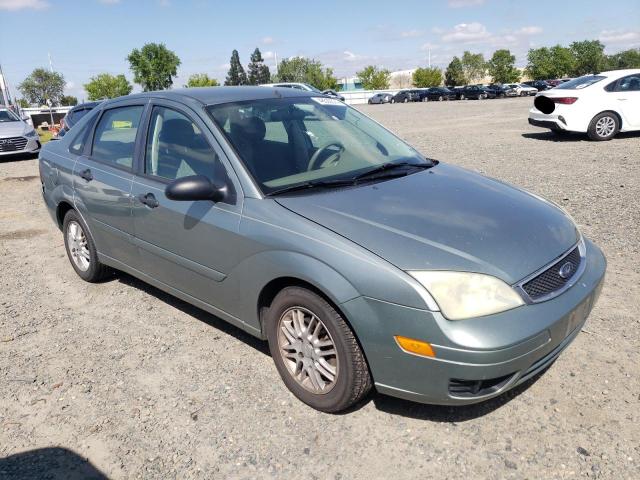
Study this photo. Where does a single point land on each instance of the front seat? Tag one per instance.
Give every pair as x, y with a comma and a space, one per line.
175, 141
247, 135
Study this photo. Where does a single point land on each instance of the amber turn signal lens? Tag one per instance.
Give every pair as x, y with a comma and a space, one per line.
418, 347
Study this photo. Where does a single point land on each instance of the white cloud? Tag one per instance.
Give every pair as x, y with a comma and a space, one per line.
268, 55
619, 36
531, 30
466, 33
23, 4
267, 40
464, 3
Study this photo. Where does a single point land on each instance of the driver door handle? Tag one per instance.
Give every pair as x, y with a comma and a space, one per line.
86, 174
149, 200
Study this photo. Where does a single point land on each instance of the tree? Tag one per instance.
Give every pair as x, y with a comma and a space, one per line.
258, 71
23, 103
106, 85
474, 66
236, 74
305, 70
153, 66
43, 85
501, 67
547, 63
201, 80
625, 59
373, 78
588, 57
427, 77
68, 101
454, 75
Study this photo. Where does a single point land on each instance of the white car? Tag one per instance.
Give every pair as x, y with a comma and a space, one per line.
295, 85
16, 135
522, 90
600, 105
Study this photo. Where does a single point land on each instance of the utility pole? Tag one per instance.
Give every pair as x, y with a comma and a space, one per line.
50, 63
275, 56
429, 57
4, 88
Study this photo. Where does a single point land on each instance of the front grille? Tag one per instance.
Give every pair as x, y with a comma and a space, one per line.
12, 144
551, 280
477, 388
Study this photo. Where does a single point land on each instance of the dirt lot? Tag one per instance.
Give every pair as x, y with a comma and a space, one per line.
145, 386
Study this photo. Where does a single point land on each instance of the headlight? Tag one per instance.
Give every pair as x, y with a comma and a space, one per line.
31, 133
463, 295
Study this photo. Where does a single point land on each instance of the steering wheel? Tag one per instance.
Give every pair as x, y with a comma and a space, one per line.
332, 159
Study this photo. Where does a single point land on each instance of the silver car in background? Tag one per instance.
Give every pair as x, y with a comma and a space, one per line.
16, 135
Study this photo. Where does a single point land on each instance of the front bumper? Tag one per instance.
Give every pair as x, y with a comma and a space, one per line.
475, 359
19, 145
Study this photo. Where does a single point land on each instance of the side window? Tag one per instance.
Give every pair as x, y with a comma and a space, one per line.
115, 137
78, 143
177, 148
630, 83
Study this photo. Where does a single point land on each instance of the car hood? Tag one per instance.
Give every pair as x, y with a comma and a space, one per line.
445, 218
13, 129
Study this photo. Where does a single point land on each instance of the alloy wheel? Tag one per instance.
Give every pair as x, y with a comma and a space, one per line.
307, 350
78, 247
605, 126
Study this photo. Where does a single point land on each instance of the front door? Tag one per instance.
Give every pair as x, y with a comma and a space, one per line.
188, 245
103, 179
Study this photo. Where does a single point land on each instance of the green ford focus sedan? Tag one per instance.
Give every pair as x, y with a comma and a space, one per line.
297, 218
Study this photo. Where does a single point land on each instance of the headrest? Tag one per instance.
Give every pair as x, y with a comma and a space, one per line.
178, 131
252, 129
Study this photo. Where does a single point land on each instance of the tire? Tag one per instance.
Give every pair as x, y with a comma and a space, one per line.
425, 99
461, 97
351, 381
406, 100
440, 98
603, 126
370, 102
392, 100
82, 247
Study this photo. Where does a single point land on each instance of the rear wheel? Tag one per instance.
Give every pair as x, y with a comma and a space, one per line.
405, 100
81, 249
604, 126
440, 98
315, 351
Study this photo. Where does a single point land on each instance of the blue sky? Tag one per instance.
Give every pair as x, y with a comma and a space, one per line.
93, 36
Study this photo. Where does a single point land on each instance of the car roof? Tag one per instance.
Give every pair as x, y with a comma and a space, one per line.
218, 95
86, 105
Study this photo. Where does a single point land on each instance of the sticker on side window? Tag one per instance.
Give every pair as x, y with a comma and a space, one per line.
327, 101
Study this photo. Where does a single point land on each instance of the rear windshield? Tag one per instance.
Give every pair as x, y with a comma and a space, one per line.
580, 82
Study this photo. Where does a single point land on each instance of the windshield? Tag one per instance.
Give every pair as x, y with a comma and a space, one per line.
289, 141
580, 82
8, 116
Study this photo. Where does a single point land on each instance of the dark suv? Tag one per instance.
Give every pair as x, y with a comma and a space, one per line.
539, 84
405, 96
439, 94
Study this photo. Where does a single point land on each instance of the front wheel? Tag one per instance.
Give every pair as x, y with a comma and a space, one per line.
315, 351
405, 100
604, 126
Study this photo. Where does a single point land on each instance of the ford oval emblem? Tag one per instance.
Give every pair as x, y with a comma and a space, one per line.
565, 270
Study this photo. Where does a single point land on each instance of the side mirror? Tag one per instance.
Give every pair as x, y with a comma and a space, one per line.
195, 187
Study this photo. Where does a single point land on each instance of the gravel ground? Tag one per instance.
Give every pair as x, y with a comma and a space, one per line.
121, 380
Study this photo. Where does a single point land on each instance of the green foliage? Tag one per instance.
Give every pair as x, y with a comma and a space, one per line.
427, 77
454, 74
501, 67
305, 70
106, 85
23, 103
236, 74
258, 72
68, 101
43, 85
474, 66
373, 78
153, 66
547, 63
588, 57
201, 80
625, 59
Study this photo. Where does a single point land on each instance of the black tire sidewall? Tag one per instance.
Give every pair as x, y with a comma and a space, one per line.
94, 272
338, 398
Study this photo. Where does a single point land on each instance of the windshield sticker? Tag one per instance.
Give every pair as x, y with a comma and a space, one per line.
327, 101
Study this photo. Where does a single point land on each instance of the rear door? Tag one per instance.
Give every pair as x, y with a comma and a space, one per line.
103, 178
188, 245
627, 99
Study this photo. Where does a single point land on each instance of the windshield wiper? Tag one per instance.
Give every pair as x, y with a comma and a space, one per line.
385, 170
312, 184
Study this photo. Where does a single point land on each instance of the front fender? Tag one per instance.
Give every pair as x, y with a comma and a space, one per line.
245, 283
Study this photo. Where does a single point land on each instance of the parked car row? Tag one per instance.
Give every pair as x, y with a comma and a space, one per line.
439, 94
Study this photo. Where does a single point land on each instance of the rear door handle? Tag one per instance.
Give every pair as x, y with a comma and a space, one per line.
86, 174
149, 200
